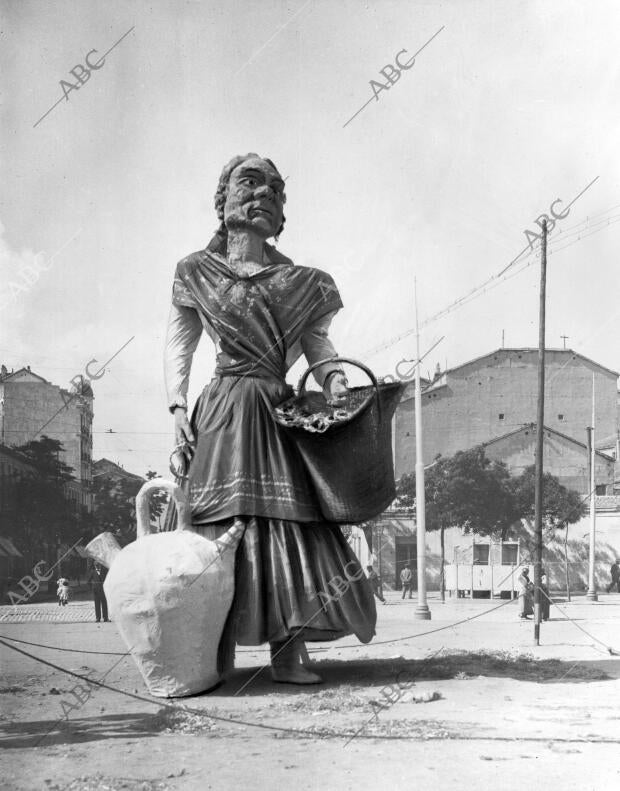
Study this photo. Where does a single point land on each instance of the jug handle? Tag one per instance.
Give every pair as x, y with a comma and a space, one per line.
184, 520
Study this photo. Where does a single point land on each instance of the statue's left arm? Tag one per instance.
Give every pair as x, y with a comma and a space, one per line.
316, 345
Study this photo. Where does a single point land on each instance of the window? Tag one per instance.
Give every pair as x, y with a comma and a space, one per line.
481, 554
509, 554
501, 416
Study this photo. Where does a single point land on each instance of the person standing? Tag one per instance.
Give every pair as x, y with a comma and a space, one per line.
375, 583
545, 601
526, 586
62, 591
97, 578
406, 577
614, 571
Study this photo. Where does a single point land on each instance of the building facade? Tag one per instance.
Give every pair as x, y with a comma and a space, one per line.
30, 407
494, 395
565, 457
104, 469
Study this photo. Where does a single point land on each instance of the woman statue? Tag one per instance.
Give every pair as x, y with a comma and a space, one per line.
262, 312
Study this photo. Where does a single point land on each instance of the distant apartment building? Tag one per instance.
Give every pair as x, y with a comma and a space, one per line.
492, 401
30, 407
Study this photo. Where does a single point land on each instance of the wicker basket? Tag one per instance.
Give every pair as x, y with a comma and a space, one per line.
347, 448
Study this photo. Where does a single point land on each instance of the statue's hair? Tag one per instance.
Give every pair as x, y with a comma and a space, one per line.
222, 188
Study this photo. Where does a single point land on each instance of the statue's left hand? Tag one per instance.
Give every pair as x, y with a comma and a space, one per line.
335, 387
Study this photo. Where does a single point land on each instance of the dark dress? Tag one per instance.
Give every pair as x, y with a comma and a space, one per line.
245, 467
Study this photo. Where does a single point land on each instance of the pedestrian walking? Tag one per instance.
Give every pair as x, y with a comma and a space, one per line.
62, 591
614, 572
97, 578
526, 588
406, 578
375, 583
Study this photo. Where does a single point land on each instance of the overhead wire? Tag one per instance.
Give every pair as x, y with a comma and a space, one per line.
500, 277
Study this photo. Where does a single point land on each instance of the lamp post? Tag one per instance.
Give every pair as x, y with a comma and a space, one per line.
540, 436
422, 612
591, 594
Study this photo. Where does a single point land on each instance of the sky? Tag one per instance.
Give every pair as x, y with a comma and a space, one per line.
510, 107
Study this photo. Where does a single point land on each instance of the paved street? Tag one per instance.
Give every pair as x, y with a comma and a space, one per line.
484, 702
48, 612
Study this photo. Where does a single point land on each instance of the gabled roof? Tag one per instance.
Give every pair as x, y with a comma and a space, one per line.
23, 374
535, 351
107, 467
532, 427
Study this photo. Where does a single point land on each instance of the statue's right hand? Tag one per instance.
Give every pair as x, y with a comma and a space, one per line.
181, 456
183, 433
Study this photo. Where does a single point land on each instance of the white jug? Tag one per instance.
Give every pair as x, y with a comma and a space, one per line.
169, 595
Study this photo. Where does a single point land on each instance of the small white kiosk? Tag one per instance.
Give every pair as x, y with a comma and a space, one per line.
491, 567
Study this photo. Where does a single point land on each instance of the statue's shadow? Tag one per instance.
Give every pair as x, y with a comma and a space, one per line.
344, 681
48, 733
462, 665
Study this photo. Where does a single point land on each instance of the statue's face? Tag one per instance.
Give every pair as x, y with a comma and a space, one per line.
255, 198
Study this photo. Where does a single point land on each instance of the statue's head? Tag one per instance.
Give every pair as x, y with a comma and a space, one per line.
250, 196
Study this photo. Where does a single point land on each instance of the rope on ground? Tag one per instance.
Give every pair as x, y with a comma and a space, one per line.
608, 648
433, 631
368, 645
63, 648
315, 734
172, 706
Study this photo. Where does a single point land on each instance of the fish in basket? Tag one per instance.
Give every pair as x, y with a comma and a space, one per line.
346, 446
169, 595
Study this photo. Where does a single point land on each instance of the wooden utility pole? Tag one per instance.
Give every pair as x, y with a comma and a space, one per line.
540, 435
591, 594
421, 611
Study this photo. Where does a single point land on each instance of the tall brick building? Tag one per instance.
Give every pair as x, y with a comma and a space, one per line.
494, 397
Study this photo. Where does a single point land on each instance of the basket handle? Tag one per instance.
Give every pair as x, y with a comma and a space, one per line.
304, 377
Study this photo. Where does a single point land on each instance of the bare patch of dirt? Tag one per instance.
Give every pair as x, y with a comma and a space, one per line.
100, 782
523, 667
397, 729
344, 698
168, 720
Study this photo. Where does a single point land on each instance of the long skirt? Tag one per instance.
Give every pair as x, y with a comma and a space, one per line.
295, 574
293, 579
525, 604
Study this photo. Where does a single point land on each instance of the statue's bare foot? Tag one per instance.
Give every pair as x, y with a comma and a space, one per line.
286, 666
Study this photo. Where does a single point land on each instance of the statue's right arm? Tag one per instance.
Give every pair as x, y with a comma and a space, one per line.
183, 334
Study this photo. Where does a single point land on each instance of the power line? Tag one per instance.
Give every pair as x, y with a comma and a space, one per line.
492, 282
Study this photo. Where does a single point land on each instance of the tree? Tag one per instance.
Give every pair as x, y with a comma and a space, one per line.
466, 490
115, 505
45, 516
470, 491
561, 507
158, 500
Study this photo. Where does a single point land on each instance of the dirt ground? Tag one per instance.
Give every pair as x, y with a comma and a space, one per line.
479, 706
